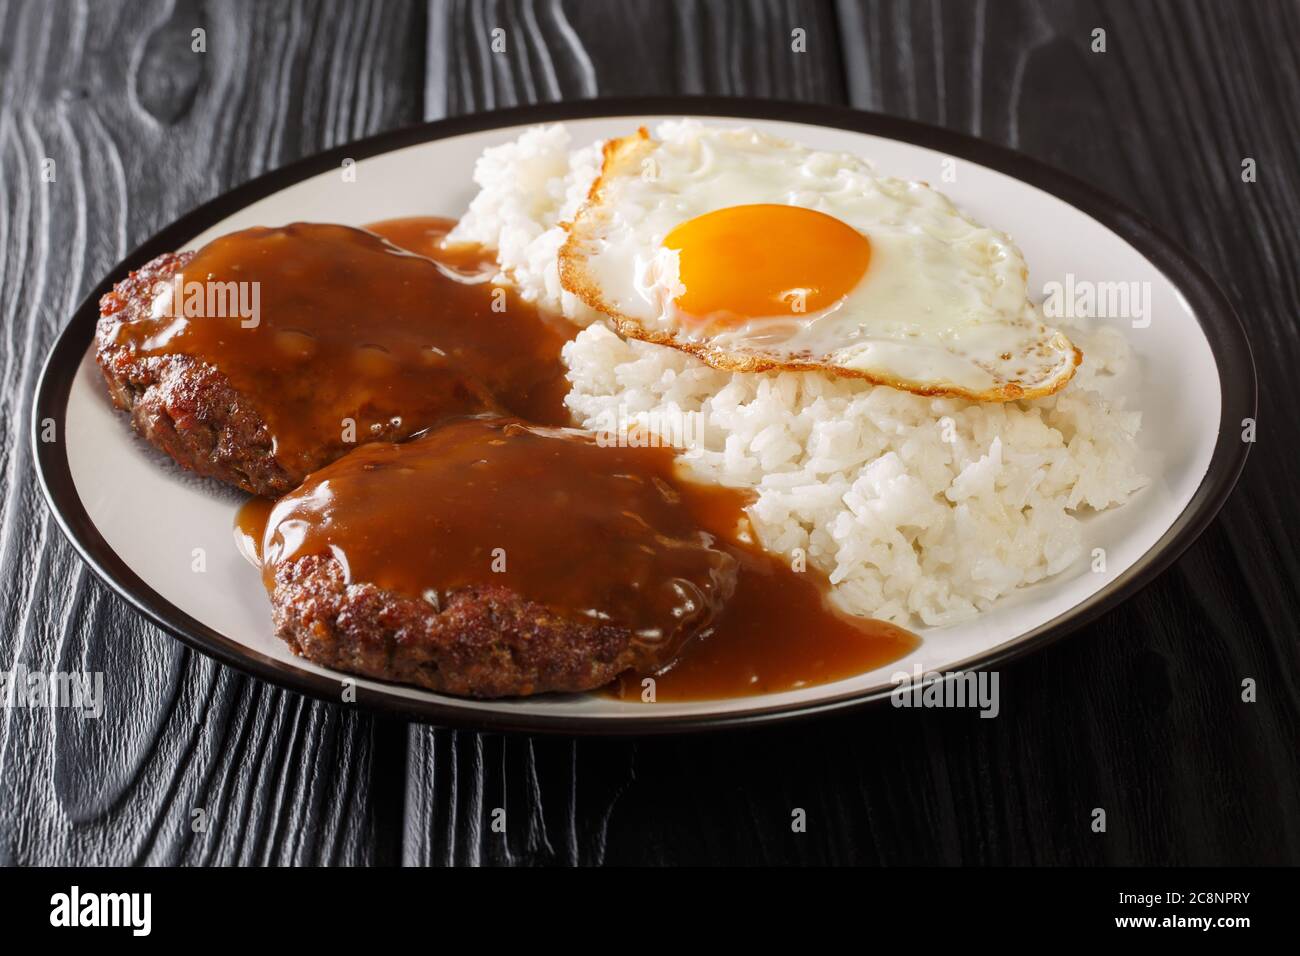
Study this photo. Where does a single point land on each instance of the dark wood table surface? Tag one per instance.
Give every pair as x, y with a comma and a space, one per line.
1139, 714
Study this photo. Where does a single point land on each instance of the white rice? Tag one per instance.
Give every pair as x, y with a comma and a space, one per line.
527, 188
916, 508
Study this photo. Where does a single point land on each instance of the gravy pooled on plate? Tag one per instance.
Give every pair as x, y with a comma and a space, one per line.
598, 561
492, 557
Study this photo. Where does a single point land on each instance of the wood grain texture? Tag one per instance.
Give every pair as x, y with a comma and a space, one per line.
579, 50
1139, 714
141, 128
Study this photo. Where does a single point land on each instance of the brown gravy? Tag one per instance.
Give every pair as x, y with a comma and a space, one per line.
606, 533
339, 334
594, 534
424, 236
516, 344
777, 633
580, 527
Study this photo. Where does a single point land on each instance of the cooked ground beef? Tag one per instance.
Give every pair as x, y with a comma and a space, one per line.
486, 641
188, 407
184, 406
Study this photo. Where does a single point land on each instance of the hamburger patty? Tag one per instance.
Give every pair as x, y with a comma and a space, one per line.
484, 642
492, 558
271, 352
180, 404
189, 408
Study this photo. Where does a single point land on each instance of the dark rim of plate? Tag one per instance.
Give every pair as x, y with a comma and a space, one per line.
1218, 321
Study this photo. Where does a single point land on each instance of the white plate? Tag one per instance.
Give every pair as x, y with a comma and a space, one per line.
142, 523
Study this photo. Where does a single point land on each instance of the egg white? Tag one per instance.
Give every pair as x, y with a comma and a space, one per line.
943, 307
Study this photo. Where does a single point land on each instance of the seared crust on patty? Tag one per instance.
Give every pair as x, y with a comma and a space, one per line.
180, 404
482, 641
187, 407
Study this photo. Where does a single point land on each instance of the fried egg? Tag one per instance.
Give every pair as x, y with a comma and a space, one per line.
756, 253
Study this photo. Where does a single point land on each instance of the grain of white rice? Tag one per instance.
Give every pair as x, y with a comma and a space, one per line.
527, 188
916, 508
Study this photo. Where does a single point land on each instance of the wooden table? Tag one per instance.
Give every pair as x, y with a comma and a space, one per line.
1140, 714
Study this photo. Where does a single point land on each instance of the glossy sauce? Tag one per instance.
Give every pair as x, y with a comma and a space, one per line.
777, 633
519, 342
425, 235
339, 326
595, 533
587, 530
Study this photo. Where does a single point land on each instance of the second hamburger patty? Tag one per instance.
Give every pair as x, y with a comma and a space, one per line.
493, 558
271, 352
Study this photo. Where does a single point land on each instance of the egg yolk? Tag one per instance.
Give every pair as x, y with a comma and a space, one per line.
747, 262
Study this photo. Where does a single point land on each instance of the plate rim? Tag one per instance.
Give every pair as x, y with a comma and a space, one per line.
1217, 318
